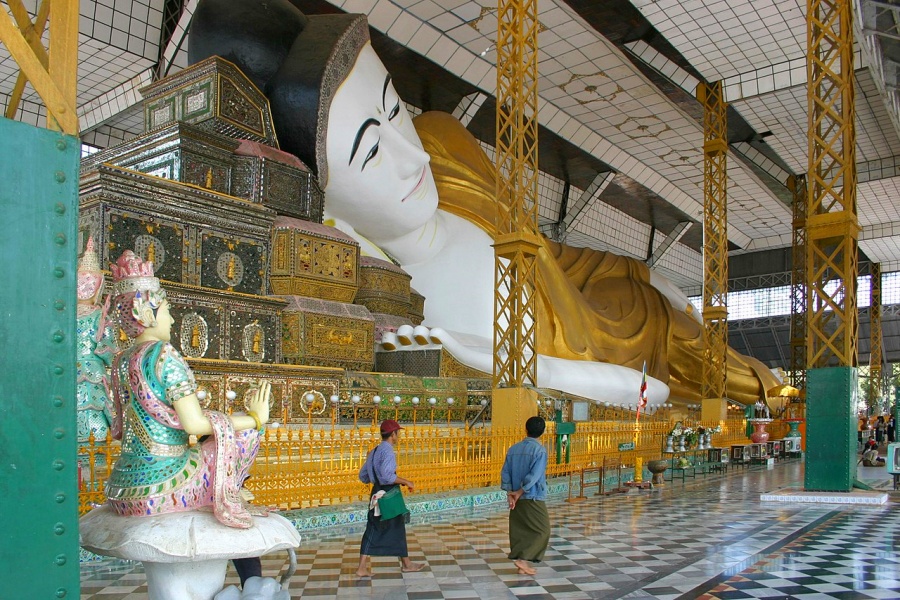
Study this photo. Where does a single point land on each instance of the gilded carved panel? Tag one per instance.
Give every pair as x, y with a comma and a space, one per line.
327, 340
304, 265
384, 291
290, 335
450, 367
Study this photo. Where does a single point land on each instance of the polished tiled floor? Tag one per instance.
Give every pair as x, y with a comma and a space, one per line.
707, 538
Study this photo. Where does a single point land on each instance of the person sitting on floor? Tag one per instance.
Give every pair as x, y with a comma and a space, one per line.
871, 459
871, 444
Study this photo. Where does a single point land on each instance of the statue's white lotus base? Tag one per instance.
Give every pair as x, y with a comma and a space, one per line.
185, 555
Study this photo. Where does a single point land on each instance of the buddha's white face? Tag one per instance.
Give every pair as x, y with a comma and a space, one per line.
379, 179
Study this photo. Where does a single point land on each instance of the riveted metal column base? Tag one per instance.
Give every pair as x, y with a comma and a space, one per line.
39, 498
713, 409
830, 429
510, 408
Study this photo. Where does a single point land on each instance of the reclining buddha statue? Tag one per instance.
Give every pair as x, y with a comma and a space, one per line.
155, 410
422, 194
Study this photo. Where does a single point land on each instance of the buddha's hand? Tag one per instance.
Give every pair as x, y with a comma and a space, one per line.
259, 401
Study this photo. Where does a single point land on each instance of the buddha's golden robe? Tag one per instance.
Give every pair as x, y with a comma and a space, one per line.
592, 305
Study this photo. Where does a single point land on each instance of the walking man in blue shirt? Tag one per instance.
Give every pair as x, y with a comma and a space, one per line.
524, 478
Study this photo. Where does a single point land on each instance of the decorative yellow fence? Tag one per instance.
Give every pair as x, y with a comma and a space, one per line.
301, 467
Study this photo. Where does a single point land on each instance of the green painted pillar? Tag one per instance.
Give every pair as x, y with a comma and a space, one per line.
896, 411
38, 481
830, 429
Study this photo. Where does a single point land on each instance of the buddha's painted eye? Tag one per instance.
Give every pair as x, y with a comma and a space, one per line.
372, 154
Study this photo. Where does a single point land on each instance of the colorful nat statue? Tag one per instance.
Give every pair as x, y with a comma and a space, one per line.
95, 349
423, 195
155, 409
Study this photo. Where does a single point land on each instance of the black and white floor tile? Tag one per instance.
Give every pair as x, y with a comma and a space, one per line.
707, 538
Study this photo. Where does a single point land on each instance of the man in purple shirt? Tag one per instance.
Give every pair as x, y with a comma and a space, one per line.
524, 478
384, 537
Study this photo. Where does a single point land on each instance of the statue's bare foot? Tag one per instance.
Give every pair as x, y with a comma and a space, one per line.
408, 337
421, 334
405, 335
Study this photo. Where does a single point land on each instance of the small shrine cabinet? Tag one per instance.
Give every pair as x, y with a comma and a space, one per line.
740, 454
717, 459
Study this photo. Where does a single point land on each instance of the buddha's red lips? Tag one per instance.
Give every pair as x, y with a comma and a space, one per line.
416, 188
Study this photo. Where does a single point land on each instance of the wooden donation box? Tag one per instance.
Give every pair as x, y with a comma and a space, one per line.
192, 236
210, 127
316, 270
384, 288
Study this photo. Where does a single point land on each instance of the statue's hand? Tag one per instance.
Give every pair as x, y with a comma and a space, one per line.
259, 403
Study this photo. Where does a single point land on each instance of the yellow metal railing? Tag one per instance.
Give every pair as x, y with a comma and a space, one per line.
95, 461
306, 467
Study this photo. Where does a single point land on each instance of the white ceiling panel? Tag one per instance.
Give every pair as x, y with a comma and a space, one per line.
591, 93
878, 201
723, 38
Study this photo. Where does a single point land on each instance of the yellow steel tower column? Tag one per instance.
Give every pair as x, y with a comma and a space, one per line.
876, 383
715, 250
797, 184
832, 231
515, 250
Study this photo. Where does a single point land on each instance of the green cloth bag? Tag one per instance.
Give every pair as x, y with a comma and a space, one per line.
392, 504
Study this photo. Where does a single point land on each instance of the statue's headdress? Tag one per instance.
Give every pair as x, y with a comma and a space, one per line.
90, 277
138, 293
298, 61
133, 274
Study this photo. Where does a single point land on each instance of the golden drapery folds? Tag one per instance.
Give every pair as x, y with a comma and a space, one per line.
592, 305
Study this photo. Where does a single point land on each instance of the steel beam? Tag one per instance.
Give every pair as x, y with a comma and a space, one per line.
674, 235
876, 387
52, 74
592, 192
39, 195
176, 39
832, 231
832, 226
468, 106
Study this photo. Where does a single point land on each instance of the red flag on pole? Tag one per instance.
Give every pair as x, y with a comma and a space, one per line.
642, 400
